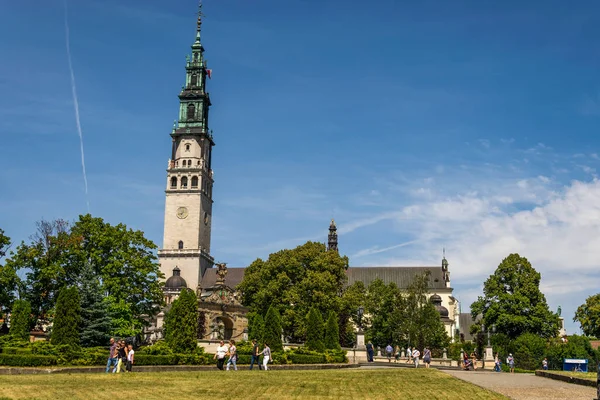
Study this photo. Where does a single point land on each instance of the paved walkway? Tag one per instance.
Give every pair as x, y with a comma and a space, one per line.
526, 386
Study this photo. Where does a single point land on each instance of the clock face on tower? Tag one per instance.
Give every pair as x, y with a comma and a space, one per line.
182, 212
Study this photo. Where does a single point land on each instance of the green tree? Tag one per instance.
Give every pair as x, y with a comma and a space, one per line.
95, 318
122, 258
423, 325
20, 320
122, 321
65, 329
332, 332
314, 330
529, 350
256, 326
9, 280
512, 301
301, 278
181, 323
588, 316
272, 329
352, 299
383, 308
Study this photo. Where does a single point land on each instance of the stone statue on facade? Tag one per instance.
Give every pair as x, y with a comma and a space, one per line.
221, 272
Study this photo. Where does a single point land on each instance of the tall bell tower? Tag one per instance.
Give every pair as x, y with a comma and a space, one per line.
188, 206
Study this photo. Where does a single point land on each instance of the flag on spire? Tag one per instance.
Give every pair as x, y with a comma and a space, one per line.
209, 73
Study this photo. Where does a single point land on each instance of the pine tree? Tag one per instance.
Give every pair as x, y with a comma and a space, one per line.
314, 330
65, 329
181, 323
20, 319
256, 326
332, 332
95, 319
272, 329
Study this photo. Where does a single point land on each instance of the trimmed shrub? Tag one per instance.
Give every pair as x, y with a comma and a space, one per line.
272, 330
19, 324
29, 360
332, 332
65, 329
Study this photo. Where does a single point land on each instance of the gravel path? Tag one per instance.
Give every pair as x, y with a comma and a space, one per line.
526, 386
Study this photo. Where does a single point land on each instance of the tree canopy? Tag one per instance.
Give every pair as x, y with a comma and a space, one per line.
295, 280
121, 258
8, 276
588, 316
513, 302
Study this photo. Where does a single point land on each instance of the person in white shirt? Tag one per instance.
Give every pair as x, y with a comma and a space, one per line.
266, 356
220, 355
130, 358
415, 355
232, 355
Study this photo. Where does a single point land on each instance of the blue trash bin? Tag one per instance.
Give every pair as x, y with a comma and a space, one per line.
575, 364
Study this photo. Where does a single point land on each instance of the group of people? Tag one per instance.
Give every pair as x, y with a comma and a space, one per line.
412, 354
229, 352
121, 357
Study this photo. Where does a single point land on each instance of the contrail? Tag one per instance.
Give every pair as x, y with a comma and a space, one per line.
76, 104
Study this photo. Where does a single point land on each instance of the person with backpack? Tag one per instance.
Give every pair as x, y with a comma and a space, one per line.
427, 357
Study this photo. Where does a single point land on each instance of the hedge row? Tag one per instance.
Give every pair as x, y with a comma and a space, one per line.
27, 360
15, 350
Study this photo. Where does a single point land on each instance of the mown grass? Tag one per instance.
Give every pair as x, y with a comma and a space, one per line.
393, 383
591, 376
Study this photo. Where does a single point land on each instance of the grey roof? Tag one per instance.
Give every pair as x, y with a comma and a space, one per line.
401, 276
232, 279
465, 321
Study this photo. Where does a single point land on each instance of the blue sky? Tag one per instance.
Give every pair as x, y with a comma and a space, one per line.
462, 125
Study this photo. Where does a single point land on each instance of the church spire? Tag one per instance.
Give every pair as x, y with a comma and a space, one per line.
332, 240
199, 23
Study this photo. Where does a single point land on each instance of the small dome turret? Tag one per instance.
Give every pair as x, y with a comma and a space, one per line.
176, 282
436, 300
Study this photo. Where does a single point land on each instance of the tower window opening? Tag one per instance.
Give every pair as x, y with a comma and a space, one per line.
184, 182
194, 181
189, 163
187, 147
173, 183
180, 245
191, 111
194, 80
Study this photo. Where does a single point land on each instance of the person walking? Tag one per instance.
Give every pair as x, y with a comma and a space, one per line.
545, 364
408, 355
426, 357
389, 350
232, 355
497, 366
220, 355
130, 358
511, 363
266, 356
415, 355
112, 356
254, 356
370, 351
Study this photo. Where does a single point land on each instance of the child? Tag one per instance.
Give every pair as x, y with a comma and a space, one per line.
130, 358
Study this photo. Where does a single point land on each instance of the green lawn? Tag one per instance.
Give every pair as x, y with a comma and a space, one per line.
353, 383
585, 375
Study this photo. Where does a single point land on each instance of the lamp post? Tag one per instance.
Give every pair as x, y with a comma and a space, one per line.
360, 336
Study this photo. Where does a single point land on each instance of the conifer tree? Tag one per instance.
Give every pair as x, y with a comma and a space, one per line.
19, 320
272, 329
256, 326
314, 330
65, 329
95, 319
181, 323
332, 332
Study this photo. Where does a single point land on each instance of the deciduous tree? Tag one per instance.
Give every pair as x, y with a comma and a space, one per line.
512, 301
588, 316
9, 280
296, 280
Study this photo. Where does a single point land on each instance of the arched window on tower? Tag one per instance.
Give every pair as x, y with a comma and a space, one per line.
180, 245
187, 147
191, 111
194, 181
194, 80
189, 163
173, 182
184, 182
